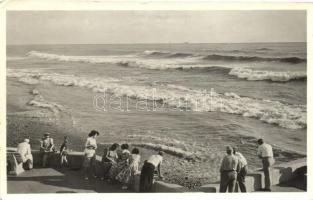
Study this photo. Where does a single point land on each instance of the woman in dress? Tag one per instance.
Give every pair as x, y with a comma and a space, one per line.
90, 153
109, 158
122, 162
127, 174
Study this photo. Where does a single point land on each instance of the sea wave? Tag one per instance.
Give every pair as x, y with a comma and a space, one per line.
272, 112
130, 61
39, 101
257, 75
125, 61
218, 57
168, 54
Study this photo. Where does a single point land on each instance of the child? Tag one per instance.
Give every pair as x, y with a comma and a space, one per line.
63, 152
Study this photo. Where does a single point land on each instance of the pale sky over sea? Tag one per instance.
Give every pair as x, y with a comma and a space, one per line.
101, 27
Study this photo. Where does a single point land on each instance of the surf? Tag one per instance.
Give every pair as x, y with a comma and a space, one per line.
182, 98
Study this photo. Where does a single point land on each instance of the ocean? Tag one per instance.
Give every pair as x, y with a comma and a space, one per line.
189, 98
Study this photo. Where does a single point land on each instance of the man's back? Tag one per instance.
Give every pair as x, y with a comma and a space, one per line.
229, 163
23, 148
265, 150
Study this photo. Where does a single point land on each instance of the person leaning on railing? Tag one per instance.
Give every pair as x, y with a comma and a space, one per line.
46, 148
25, 152
147, 172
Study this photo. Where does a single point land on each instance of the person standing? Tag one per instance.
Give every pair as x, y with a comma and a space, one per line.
243, 170
25, 152
121, 163
109, 158
127, 174
265, 152
64, 152
147, 172
229, 169
46, 148
90, 154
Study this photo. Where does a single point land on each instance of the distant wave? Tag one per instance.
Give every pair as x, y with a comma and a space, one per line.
125, 61
167, 54
135, 61
272, 112
130, 61
291, 60
255, 75
264, 49
257, 50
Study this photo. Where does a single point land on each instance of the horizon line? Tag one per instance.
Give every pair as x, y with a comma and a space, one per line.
156, 43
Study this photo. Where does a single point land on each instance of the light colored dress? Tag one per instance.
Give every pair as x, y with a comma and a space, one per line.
127, 174
120, 165
90, 151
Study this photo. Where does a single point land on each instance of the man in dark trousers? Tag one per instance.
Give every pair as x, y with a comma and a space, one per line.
265, 152
229, 169
243, 170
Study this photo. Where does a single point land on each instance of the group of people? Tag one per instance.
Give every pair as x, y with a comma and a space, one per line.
121, 165
234, 167
47, 148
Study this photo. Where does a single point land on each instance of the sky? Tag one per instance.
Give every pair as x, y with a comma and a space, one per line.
114, 27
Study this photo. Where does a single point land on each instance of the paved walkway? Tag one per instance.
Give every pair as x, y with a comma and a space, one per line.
48, 180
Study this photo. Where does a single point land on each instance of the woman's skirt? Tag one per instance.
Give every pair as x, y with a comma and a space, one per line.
116, 168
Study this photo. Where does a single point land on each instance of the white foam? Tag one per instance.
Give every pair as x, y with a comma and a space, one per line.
254, 75
273, 112
124, 60
40, 102
168, 149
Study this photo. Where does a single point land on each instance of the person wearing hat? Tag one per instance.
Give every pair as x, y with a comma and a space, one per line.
265, 152
46, 148
147, 171
229, 169
90, 153
25, 152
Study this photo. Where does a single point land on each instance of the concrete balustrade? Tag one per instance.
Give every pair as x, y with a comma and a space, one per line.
254, 180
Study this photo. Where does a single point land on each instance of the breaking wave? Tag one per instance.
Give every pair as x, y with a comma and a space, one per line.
167, 54
257, 75
272, 112
158, 64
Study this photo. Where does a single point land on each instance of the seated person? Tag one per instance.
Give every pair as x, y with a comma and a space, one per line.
24, 150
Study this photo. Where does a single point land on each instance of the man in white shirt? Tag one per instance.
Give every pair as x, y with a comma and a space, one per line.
243, 170
147, 171
24, 150
265, 152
